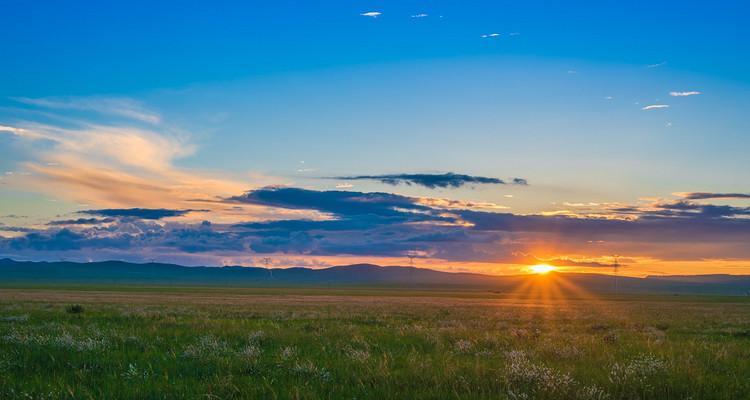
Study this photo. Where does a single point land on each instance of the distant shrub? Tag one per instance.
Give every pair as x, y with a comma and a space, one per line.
74, 309
257, 337
662, 326
611, 337
597, 327
520, 333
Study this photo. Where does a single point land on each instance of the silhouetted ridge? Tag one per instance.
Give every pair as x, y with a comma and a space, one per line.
125, 273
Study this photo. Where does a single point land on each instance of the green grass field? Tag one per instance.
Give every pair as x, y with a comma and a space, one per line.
369, 344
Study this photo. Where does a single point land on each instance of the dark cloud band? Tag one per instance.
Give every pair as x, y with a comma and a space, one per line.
386, 224
432, 181
82, 221
140, 213
707, 195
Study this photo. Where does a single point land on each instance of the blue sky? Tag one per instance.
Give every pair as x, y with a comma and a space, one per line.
608, 110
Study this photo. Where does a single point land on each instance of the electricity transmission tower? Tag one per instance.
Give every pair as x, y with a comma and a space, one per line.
62, 268
411, 269
267, 260
616, 266
153, 272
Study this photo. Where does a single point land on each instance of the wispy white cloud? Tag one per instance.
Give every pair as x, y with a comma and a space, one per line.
454, 203
373, 14
131, 147
305, 168
117, 166
661, 64
490, 35
655, 106
15, 131
419, 15
123, 107
514, 34
684, 93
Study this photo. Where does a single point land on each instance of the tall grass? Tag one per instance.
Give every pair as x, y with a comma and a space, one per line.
237, 346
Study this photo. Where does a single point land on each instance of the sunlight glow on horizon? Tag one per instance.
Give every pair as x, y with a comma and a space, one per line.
541, 268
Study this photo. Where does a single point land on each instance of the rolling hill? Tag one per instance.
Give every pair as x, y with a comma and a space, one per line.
160, 274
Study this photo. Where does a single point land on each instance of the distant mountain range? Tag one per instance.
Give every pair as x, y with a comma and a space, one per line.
124, 273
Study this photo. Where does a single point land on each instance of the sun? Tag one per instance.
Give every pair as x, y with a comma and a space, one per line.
542, 268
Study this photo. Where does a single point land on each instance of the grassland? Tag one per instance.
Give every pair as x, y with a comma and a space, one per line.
152, 343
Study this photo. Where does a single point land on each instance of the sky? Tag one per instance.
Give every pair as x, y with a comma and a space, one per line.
475, 136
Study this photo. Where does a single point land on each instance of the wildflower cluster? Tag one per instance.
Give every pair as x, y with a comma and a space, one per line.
208, 347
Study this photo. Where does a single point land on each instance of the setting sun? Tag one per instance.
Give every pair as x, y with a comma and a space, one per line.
542, 268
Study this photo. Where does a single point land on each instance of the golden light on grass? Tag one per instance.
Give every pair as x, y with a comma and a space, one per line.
541, 268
